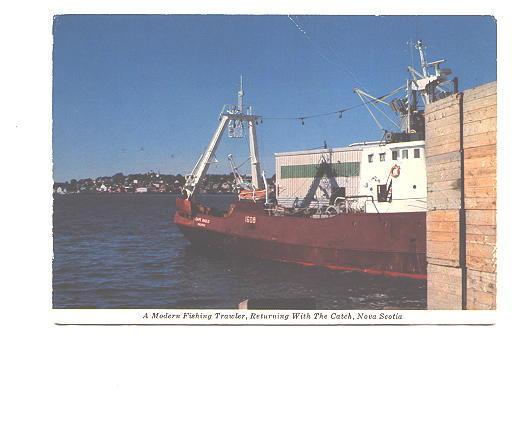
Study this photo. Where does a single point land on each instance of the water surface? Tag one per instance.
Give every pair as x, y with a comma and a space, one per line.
123, 251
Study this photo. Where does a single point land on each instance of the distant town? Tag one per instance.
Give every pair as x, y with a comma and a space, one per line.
144, 183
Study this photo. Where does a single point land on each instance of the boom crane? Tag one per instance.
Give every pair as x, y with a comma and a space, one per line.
238, 178
235, 117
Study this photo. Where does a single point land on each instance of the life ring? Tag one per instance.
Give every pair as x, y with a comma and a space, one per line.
395, 171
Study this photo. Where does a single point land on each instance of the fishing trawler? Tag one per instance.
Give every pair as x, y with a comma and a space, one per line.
360, 207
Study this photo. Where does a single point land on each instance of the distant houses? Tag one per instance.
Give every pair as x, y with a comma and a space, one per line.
143, 183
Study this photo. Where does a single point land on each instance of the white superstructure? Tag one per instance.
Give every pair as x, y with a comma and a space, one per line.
374, 177
387, 176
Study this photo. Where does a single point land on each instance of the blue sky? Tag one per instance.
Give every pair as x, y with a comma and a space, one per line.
139, 93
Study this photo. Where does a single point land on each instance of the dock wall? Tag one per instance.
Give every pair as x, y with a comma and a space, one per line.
461, 218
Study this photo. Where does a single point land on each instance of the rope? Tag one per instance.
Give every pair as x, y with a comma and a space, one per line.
339, 112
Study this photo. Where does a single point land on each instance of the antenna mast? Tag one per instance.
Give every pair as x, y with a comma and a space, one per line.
233, 118
240, 95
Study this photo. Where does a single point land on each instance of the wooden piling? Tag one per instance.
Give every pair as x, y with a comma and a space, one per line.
461, 218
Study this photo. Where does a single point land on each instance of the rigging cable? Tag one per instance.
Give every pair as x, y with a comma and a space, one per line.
322, 54
339, 112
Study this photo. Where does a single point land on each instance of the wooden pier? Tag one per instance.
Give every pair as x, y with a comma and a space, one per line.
461, 217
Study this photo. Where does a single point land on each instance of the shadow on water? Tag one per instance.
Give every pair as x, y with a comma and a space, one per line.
257, 278
123, 251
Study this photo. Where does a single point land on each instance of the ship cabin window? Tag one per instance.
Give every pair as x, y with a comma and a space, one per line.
382, 157
370, 158
417, 153
405, 154
395, 154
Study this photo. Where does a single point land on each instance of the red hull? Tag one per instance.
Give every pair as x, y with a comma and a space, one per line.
392, 244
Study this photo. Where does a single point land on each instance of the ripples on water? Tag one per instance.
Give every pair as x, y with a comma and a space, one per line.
123, 251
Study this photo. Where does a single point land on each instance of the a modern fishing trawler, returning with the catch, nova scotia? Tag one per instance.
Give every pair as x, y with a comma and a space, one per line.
358, 208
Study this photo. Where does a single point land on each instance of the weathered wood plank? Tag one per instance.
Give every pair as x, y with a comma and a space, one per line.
480, 300
479, 114
441, 195
443, 216
452, 277
439, 131
444, 270
443, 236
484, 239
486, 250
443, 103
477, 300
443, 113
439, 120
441, 202
446, 227
480, 192
440, 149
480, 203
479, 103
481, 217
480, 162
443, 261
445, 175
445, 204
479, 140
443, 287
480, 181
443, 166
482, 281
481, 289
453, 184
481, 263
448, 282
484, 151
473, 172
479, 127
481, 91
443, 250
444, 158
485, 230
433, 141
435, 302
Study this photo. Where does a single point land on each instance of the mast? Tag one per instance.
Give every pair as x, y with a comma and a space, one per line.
428, 85
240, 95
233, 117
422, 56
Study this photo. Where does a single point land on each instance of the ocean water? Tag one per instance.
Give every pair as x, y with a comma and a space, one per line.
123, 251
